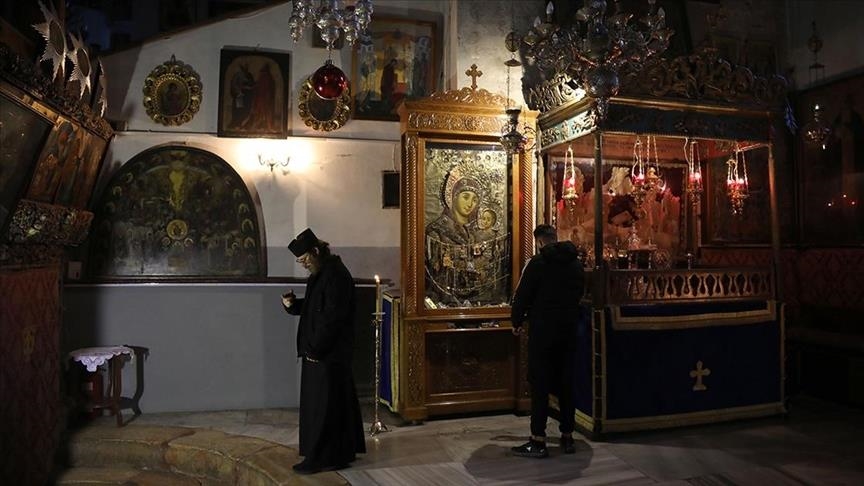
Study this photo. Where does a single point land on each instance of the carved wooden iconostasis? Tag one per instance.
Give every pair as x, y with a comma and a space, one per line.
466, 233
51, 150
683, 159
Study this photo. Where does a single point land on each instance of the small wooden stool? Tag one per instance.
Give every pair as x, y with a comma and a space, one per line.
115, 356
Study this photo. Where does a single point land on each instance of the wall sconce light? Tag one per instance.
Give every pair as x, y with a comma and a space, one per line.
273, 161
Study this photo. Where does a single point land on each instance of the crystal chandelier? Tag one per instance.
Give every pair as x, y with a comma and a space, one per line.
596, 50
694, 172
644, 175
333, 20
816, 131
737, 187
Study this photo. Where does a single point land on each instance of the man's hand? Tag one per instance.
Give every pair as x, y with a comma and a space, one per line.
288, 299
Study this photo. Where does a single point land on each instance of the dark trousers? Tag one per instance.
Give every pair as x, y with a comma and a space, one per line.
551, 370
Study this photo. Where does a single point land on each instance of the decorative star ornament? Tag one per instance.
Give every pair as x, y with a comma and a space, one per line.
82, 70
55, 39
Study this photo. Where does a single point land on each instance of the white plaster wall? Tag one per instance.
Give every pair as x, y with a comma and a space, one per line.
230, 346
212, 347
330, 185
265, 28
482, 28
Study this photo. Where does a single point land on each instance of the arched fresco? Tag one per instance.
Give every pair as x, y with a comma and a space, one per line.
176, 211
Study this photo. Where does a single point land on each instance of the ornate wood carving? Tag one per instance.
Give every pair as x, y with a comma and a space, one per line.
416, 373
702, 76
467, 96
687, 285
552, 93
454, 121
35, 222
526, 211
441, 373
468, 361
705, 76
569, 129
26, 76
524, 386
410, 216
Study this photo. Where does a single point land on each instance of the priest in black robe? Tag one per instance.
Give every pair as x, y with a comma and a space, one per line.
331, 427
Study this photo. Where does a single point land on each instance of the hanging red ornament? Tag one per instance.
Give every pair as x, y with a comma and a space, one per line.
329, 81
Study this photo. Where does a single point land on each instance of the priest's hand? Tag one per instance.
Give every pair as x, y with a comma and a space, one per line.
288, 299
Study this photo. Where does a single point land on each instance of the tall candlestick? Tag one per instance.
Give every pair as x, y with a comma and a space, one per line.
377, 296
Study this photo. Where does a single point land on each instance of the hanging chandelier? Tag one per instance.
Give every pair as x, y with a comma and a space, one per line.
512, 140
737, 187
645, 175
569, 191
333, 20
596, 50
816, 131
694, 172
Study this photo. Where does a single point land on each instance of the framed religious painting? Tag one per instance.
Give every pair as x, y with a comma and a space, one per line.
22, 133
467, 225
68, 165
395, 60
254, 93
831, 174
172, 93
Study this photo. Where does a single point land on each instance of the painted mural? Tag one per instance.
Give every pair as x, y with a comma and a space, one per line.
176, 211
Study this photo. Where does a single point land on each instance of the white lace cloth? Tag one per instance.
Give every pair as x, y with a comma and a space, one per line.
92, 358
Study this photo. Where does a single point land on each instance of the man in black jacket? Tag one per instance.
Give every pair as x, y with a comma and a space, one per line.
548, 296
331, 427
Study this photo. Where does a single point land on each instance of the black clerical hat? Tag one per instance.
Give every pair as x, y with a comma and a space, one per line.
304, 242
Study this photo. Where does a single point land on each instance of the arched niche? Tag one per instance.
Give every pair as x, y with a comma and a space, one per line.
176, 211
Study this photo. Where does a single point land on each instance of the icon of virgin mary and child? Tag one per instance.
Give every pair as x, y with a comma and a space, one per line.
466, 253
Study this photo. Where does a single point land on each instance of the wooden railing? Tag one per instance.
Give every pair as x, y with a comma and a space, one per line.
648, 286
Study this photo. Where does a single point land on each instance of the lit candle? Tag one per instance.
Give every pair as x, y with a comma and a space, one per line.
377, 296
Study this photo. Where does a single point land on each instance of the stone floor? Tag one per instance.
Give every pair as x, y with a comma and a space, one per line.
819, 443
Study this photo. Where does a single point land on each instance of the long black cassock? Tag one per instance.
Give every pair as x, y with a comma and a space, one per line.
331, 427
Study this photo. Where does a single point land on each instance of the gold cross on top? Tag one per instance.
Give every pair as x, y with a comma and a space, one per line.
474, 73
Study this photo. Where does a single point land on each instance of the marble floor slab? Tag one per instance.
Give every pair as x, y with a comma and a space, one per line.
818, 443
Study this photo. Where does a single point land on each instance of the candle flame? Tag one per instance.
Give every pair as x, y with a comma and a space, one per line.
377, 279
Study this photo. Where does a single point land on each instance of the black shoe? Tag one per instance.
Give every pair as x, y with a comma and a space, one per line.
568, 445
532, 448
306, 467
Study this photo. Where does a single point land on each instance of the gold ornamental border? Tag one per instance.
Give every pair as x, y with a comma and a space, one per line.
341, 108
716, 319
160, 78
692, 418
